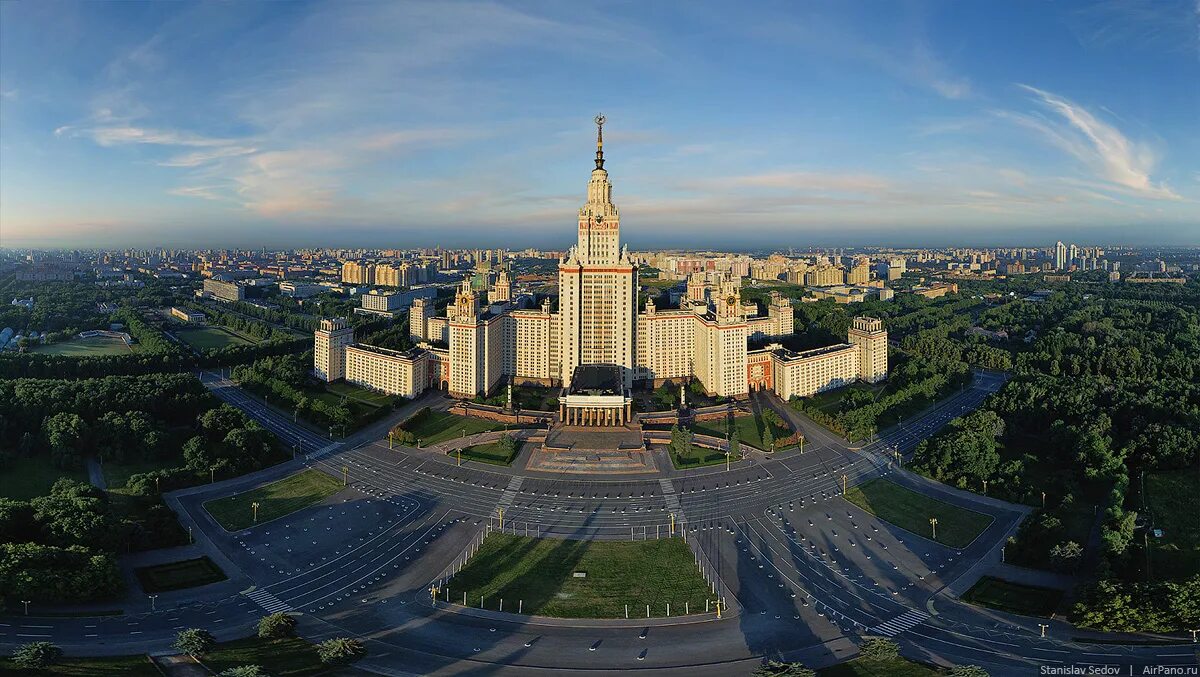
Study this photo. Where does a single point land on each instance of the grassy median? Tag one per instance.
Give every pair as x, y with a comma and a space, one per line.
541, 574
956, 527
188, 573
274, 500
1026, 600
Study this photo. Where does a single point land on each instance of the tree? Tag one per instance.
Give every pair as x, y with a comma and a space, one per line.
276, 626
243, 671
775, 668
968, 671
195, 642
1065, 556
879, 648
340, 650
735, 444
768, 439
64, 433
36, 655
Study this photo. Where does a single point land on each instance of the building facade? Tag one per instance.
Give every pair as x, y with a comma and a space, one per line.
474, 347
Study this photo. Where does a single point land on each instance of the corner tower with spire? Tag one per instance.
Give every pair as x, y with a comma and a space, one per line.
598, 283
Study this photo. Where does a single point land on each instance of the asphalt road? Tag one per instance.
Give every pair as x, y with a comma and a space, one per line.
805, 573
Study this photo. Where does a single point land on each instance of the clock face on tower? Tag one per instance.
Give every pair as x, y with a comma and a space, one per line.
730, 301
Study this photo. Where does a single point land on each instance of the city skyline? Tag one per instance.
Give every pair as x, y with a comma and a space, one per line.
411, 125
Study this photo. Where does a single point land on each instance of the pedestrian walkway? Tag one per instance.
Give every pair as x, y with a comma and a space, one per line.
905, 621
267, 601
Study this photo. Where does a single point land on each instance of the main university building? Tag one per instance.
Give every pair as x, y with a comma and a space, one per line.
596, 345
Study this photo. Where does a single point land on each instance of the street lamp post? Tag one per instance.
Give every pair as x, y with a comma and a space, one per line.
212, 474
1043, 500
254, 505
345, 476
1043, 626
933, 523
152, 598
26, 603
843, 484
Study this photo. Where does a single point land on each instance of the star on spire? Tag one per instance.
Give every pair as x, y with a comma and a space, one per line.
600, 120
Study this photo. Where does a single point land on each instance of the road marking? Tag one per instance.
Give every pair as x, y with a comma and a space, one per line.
268, 601
901, 623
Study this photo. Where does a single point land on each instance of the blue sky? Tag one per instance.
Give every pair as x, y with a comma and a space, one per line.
786, 124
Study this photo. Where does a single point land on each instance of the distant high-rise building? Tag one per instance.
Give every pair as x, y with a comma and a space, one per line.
1060, 256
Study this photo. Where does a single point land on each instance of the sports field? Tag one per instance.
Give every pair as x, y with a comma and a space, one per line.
582, 579
93, 346
956, 527
211, 338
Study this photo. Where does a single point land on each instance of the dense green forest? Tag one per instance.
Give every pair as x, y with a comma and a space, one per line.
1106, 388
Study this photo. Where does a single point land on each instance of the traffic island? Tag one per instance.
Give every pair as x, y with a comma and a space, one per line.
563, 578
917, 513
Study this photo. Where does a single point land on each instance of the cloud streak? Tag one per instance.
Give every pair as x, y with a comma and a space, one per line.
1124, 163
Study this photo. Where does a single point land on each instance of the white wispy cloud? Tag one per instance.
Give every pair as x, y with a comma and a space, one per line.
203, 157
118, 135
1125, 163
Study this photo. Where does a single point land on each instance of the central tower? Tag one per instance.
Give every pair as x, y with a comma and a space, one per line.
597, 284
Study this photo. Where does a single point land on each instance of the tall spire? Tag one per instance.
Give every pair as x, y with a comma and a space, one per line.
600, 120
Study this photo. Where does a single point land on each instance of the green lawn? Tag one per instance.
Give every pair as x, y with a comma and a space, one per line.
830, 401
109, 666
189, 573
1171, 500
211, 337
274, 500
487, 453
1025, 600
94, 346
535, 397
359, 394
890, 502
290, 657
700, 457
26, 478
749, 427
893, 667
438, 426
541, 573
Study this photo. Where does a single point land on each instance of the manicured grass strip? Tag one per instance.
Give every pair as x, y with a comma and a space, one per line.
487, 453
1171, 498
890, 502
700, 457
189, 573
353, 392
105, 666
289, 657
540, 572
438, 426
25, 478
1026, 600
274, 500
891, 667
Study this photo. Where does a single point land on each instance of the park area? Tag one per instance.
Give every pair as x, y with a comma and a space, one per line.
274, 500
890, 502
189, 573
92, 346
1171, 498
582, 579
1024, 600
211, 337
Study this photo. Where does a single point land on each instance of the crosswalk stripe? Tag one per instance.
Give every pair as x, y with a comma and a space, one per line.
901, 623
267, 601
